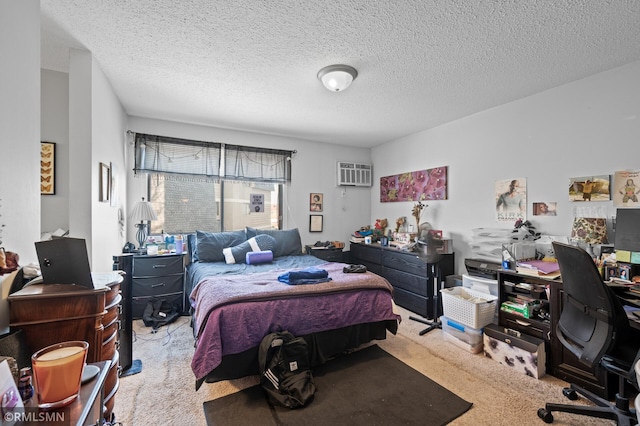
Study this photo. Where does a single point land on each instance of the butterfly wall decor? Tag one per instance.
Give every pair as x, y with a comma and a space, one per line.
47, 168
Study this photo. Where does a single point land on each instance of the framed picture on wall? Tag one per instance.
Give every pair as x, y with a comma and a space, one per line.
105, 182
47, 168
315, 223
315, 202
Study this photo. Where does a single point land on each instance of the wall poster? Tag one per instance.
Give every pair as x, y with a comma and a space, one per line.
429, 184
626, 187
589, 188
511, 200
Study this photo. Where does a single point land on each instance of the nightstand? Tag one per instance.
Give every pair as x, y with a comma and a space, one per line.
157, 277
329, 254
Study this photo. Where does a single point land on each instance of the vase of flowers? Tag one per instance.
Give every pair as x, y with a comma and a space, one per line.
416, 212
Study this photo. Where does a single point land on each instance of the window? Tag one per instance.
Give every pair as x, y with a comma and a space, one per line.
184, 206
211, 186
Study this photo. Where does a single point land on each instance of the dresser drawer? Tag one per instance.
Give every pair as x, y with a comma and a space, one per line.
157, 285
412, 301
111, 384
138, 304
409, 282
154, 266
109, 345
109, 329
405, 262
113, 294
365, 253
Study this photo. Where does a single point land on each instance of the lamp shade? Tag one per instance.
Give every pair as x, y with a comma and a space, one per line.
143, 211
589, 230
337, 77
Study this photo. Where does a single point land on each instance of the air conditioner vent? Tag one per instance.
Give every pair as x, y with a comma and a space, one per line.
354, 174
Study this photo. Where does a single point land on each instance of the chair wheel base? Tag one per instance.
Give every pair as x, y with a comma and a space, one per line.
570, 393
546, 416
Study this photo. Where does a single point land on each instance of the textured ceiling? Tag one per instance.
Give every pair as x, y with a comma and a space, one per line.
252, 65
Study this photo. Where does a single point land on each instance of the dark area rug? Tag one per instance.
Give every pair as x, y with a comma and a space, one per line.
367, 387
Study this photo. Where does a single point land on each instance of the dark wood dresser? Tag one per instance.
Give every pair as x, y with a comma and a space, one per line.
53, 313
410, 276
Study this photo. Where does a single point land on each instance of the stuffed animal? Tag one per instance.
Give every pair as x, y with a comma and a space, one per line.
380, 228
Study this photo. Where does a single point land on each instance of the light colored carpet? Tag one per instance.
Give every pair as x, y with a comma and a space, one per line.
164, 392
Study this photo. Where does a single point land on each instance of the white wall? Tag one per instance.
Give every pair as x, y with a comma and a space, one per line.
108, 141
313, 170
20, 126
588, 127
55, 128
84, 117
19, 132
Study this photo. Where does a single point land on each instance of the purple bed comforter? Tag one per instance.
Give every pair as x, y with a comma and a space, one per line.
232, 313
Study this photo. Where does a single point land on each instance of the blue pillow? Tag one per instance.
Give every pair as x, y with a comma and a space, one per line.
238, 254
209, 245
288, 242
192, 248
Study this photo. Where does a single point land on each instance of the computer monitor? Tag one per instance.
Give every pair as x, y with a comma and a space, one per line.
64, 261
627, 235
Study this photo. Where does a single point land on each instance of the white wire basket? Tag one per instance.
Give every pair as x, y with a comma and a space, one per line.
471, 308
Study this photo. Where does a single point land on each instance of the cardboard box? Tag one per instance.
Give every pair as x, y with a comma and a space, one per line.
525, 354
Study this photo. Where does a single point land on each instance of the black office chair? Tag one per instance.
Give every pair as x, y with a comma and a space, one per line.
594, 327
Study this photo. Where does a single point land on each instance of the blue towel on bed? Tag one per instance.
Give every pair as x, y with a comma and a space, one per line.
308, 275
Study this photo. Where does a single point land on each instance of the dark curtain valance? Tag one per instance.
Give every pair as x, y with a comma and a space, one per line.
175, 157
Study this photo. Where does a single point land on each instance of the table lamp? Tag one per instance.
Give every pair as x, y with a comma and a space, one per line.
142, 211
589, 230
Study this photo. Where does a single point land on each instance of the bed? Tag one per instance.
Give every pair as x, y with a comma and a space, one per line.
235, 305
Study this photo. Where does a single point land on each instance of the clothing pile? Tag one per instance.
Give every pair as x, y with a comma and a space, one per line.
310, 275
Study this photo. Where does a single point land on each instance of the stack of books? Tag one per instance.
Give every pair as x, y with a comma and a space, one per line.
538, 268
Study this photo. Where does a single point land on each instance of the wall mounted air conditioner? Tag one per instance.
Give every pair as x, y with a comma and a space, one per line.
354, 174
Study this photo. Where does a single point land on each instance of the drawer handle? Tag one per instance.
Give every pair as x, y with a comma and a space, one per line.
159, 266
157, 285
523, 323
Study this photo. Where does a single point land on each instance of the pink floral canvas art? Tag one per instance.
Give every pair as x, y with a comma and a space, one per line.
430, 184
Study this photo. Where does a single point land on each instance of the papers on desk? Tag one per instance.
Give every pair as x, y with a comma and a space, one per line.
539, 268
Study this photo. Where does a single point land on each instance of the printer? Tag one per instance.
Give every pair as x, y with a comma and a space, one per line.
482, 268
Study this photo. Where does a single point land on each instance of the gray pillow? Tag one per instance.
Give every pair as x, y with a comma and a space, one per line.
288, 242
209, 245
238, 254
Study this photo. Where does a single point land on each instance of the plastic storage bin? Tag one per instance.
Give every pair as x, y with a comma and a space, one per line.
469, 307
474, 349
463, 332
480, 284
461, 335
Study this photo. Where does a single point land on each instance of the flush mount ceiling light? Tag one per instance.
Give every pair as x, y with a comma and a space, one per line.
337, 77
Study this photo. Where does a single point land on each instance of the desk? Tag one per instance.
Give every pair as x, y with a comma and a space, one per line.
629, 300
561, 362
85, 410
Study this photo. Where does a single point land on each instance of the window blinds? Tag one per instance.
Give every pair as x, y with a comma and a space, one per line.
161, 155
